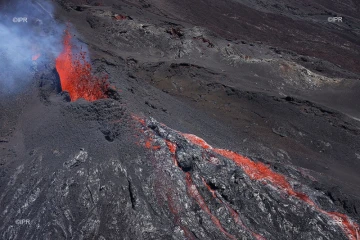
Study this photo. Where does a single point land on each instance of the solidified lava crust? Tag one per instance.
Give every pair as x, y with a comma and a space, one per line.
269, 186
271, 86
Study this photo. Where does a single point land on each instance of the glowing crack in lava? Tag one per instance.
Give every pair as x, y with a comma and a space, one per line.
76, 74
260, 171
194, 193
234, 214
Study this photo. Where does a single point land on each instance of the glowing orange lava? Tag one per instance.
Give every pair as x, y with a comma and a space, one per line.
175, 210
139, 119
149, 145
256, 171
233, 213
260, 171
194, 193
172, 148
76, 74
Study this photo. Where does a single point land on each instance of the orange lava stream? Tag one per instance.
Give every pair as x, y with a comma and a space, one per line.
76, 74
194, 193
174, 209
172, 149
233, 213
259, 171
149, 145
192, 190
256, 171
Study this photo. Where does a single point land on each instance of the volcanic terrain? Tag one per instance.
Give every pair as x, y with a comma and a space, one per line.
231, 119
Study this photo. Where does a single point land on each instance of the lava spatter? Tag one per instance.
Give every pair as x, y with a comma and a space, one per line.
76, 74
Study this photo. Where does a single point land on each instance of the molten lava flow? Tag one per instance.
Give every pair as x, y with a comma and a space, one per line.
149, 145
194, 193
260, 171
138, 119
256, 171
233, 213
197, 141
175, 210
192, 190
76, 74
172, 148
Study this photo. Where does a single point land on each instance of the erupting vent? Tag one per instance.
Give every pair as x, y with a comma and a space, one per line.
76, 74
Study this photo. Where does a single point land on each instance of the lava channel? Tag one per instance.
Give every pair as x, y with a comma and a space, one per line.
234, 214
191, 187
256, 171
260, 171
194, 193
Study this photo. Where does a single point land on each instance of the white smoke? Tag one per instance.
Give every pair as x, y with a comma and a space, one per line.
27, 28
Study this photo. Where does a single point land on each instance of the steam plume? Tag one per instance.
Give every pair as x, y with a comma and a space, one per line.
29, 35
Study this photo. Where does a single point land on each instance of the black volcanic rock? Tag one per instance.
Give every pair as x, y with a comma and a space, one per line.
165, 187
271, 81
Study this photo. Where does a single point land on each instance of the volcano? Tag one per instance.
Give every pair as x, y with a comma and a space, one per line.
228, 119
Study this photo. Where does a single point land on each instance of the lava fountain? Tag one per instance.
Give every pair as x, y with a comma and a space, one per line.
76, 74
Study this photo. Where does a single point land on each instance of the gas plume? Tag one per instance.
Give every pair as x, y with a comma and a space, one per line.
29, 35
